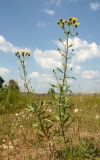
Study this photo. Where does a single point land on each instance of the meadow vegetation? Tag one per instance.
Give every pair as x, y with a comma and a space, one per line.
54, 126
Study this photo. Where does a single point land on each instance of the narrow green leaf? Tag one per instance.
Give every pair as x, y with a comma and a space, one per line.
66, 119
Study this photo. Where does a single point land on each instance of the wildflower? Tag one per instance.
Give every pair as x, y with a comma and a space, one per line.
23, 53
69, 23
61, 24
28, 53
27, 109
74, 20
63, 21
4, 146
76, 110
17, 53
16, 114
70, 19
76, 24
49, 110
3, 140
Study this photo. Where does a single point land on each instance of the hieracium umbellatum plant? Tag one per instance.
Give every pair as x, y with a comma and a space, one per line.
60, 116
41, 120
62, 103
23, 56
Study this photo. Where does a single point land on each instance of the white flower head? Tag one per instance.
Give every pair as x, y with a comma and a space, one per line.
16, 114
76, 110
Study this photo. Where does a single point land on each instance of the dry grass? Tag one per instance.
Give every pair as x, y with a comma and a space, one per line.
18, 140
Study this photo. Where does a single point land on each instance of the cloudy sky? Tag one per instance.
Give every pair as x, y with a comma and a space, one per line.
32, 24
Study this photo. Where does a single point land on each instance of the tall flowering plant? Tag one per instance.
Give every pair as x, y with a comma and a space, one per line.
62, 103
23, 56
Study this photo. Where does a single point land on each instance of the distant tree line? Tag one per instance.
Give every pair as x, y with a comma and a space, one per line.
11, 84
1, 82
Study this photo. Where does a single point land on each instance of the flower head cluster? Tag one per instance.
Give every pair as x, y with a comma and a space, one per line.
23, 53
70, 22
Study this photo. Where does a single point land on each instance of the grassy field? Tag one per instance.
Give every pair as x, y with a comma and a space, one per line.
19, 140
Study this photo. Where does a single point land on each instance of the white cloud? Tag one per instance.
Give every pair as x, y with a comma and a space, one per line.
45, 79
95, 6
34, 75
76, 68
47, 58
41, 81
49, 12
90, 74
6, 46
55, 2
41, 24
85, 50
4, 71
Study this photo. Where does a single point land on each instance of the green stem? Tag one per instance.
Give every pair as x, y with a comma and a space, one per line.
65, 64
62, 92
24, 74
63, 135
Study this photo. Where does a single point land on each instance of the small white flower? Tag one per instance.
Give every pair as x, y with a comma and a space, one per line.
16, 114
3, 140
49, 110
76, 110
4, 146
27, 109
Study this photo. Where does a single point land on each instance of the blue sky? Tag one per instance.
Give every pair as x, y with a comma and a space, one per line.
32, 24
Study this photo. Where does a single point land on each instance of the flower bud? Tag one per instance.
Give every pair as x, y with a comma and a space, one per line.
23, 53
